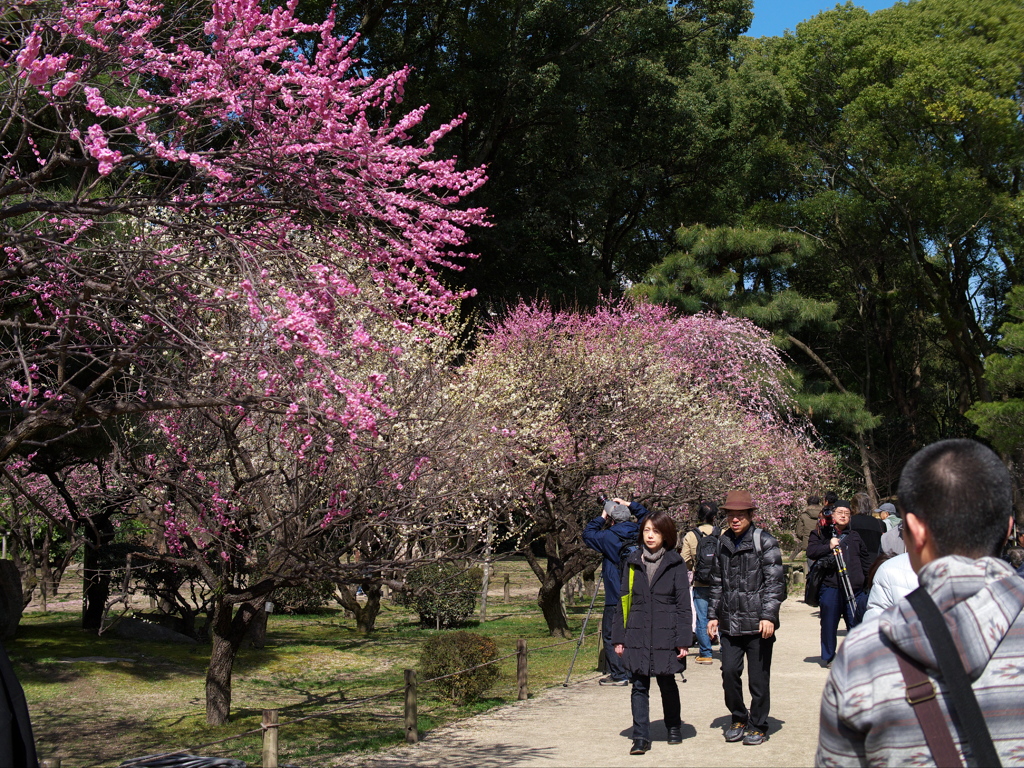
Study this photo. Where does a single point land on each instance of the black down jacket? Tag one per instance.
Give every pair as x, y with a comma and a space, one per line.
746, 587
660, 620
855, 553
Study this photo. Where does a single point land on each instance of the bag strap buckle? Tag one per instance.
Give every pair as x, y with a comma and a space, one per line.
918, 693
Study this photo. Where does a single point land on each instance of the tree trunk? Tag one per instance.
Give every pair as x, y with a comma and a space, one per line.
365, 613
95, 578
550, 601
226, 635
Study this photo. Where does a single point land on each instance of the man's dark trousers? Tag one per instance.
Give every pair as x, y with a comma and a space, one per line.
758, 654
615, 668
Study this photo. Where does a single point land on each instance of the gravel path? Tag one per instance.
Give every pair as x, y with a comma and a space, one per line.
589, 725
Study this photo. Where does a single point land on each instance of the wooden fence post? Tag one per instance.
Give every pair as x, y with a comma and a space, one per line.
602, 658
270, 738
412, 734
521, 667
507, 588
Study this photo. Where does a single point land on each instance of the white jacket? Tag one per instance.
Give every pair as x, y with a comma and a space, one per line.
893, 579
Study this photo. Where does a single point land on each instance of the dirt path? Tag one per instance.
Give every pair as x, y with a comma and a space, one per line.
589, 725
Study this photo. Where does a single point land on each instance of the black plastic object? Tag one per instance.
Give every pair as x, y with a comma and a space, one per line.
182, 761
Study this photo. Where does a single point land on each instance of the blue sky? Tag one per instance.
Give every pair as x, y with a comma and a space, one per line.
773, 17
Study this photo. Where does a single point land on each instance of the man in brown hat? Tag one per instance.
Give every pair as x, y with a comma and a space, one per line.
747, 588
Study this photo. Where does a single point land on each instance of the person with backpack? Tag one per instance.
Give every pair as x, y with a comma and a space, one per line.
747, 590
615, 536
653, 627
700, 548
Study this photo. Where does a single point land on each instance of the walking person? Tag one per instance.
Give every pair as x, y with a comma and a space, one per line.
747, 589
610, 533
935, 678
652, 628
832, 600
707, 513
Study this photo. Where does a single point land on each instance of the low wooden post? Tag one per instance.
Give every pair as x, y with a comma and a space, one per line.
507, 588
269, 738
412, 733
521, 667
602, 659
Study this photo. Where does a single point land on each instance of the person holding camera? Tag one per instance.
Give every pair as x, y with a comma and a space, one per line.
833, 602
613, 533
653, 627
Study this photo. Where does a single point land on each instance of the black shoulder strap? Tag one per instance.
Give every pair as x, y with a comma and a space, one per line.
958, 685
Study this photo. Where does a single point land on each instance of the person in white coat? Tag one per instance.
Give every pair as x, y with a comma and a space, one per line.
894, 579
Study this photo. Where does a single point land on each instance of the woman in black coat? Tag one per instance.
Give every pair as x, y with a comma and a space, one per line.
658, 627
831, 597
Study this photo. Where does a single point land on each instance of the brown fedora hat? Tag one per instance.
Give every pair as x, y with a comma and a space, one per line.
738, 500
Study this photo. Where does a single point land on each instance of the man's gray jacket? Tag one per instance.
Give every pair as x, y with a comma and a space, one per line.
865, 717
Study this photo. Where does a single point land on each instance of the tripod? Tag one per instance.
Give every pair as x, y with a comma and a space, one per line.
844, 580
597, 586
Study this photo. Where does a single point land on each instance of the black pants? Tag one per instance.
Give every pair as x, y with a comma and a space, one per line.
615, 667
640, 701
758, 654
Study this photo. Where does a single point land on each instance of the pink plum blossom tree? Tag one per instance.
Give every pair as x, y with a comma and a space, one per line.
219, 242
178, 199
632, 400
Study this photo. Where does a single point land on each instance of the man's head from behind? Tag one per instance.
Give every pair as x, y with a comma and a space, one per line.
957, 500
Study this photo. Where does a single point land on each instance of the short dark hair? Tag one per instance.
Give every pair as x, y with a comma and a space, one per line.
707, 512
814, 500
664, 525
831, 497
961, 490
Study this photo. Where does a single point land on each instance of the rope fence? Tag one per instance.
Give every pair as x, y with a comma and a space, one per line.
271, 725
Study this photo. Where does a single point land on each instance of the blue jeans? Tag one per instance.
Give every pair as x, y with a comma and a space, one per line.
613, 662
832, 606
640, 702
700, 604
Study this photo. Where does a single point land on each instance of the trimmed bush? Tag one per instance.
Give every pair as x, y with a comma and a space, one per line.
444, 594
449, 652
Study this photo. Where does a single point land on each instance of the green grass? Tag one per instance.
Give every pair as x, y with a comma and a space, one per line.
99, 714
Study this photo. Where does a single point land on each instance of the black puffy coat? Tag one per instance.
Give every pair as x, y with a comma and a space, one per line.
660, 620
746, 588
855, 553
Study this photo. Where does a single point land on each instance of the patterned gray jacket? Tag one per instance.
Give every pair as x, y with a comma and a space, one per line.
865, 717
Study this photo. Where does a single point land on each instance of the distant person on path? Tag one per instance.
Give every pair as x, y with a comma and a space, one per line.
747, 589
707, 513
892, 540
609, 533
888, 516
957, 503
653, 628
869, 528
832, 600
807, 523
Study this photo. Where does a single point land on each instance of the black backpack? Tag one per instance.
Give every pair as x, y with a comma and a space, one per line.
627, 548
708, 545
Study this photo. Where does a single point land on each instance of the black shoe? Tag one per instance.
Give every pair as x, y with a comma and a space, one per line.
612, 681
675, 735
736, 732
640, 747
754, 736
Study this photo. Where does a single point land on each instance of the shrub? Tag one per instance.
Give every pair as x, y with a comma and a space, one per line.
444, 594
308, 598
449, 652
